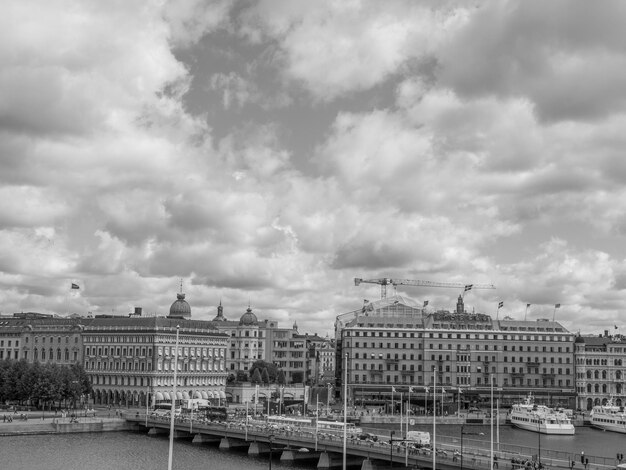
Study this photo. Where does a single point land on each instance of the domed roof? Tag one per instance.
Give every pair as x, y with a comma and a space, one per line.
579, 339
180, 308
248, 318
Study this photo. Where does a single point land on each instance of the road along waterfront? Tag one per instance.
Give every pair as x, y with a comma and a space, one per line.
138, 450
598, 446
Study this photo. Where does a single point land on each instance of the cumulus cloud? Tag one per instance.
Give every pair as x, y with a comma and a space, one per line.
270, 152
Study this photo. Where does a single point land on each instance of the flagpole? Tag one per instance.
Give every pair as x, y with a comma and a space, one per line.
345, 411
434, 419
526, 312
554, 313
401, 424
392, 401
491, 423
406, 434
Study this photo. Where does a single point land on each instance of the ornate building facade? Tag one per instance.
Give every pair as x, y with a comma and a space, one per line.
393, 344
600, 369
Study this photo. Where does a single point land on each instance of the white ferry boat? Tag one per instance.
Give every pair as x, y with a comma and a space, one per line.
539, 418
609, 417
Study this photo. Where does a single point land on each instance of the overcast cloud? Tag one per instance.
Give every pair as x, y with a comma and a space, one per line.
267, 152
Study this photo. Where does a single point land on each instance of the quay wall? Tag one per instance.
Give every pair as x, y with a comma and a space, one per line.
64, 426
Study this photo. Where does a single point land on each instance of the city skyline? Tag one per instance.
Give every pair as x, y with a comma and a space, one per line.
266, 153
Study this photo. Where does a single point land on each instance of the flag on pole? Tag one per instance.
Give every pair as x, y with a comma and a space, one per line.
557, 305
527, 305
501, 304
468, 287
425, 303
75, 286
393, 389
615, 327
365, 301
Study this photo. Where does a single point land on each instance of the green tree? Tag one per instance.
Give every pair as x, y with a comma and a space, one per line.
265, 376
297, 377
281, 377
242, 376
256, 377
272, 370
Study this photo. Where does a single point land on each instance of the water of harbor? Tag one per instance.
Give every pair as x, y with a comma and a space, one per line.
125, 450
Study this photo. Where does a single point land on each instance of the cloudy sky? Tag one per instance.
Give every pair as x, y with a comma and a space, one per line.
267, 152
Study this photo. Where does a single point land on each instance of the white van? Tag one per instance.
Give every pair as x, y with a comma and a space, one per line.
421, 438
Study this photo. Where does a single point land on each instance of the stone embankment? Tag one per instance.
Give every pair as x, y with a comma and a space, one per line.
61, 425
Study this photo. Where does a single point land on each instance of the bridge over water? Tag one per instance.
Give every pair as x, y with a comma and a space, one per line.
327, 451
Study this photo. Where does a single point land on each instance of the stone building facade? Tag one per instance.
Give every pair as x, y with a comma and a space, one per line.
600, 369
393, 344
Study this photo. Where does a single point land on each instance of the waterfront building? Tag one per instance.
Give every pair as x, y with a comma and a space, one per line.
248, 339
600, 370
321, 360
289, 350
252, 340
393, 344
40, 337
131, 360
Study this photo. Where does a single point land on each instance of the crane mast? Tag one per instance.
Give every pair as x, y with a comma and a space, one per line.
384, 282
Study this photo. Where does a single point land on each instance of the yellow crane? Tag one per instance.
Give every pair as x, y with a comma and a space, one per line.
384, 282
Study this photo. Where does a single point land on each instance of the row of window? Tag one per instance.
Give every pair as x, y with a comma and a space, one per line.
51, 339
431, 346
447, 381
16, 354
598, 362
159, 381
597, 388
190, 366
604, 375
479, 336
50, 356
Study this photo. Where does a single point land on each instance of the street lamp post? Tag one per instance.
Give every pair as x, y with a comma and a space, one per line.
173, 409
246, 421
463, 433
271, 438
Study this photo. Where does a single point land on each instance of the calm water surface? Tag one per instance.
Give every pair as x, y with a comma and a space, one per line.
118, 450
122, 450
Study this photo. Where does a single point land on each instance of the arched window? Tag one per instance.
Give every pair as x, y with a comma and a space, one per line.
603, 388
43, 354
59, 352
596, 374
618, 375
588, 388
596, 388
67, 354
588, 374
51, 355
35, 353
604, 374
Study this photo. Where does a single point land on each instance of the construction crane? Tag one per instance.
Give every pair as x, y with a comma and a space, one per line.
384, 282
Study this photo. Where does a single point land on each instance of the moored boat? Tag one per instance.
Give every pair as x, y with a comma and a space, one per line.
540, 418
609, 417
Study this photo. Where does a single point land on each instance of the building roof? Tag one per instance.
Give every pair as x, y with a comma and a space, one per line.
180, 308
248, 318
